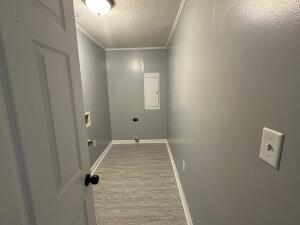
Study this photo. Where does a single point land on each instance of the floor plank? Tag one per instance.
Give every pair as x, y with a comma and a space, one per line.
137, 187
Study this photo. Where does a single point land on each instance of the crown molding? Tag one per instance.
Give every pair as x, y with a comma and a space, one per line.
89, 36
175, 21
139, 48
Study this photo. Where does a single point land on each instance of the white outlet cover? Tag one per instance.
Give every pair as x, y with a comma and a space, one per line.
271, 147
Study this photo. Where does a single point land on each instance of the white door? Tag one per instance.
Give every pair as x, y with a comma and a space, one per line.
43, 95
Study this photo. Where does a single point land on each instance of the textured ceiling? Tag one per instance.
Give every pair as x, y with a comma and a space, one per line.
130, 23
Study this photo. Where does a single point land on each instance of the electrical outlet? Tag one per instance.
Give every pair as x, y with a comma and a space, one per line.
91, 143
183, 166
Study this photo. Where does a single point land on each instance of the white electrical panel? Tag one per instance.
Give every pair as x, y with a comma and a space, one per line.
151, 91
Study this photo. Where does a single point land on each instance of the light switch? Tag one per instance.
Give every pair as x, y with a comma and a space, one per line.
271, 146
87, 118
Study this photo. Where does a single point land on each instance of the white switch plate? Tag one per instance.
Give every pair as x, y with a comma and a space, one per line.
271, 146
183, 166
87, 118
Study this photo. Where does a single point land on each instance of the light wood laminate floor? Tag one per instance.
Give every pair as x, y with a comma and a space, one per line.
137, 187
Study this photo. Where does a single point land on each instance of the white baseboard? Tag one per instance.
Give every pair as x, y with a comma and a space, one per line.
98, 161
181, 192
147, 141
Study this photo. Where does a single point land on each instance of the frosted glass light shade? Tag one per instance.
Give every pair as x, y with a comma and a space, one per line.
98, 7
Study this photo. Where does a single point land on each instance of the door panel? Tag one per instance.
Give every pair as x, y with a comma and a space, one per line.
53, 6
52, 9
45, 85
54, 74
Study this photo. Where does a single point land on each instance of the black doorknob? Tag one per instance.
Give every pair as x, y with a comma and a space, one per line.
89, 179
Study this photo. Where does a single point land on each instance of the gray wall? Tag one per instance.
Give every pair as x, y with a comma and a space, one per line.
234, 68
126, 93
95, 94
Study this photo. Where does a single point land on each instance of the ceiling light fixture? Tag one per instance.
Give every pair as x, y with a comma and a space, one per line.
98, 7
